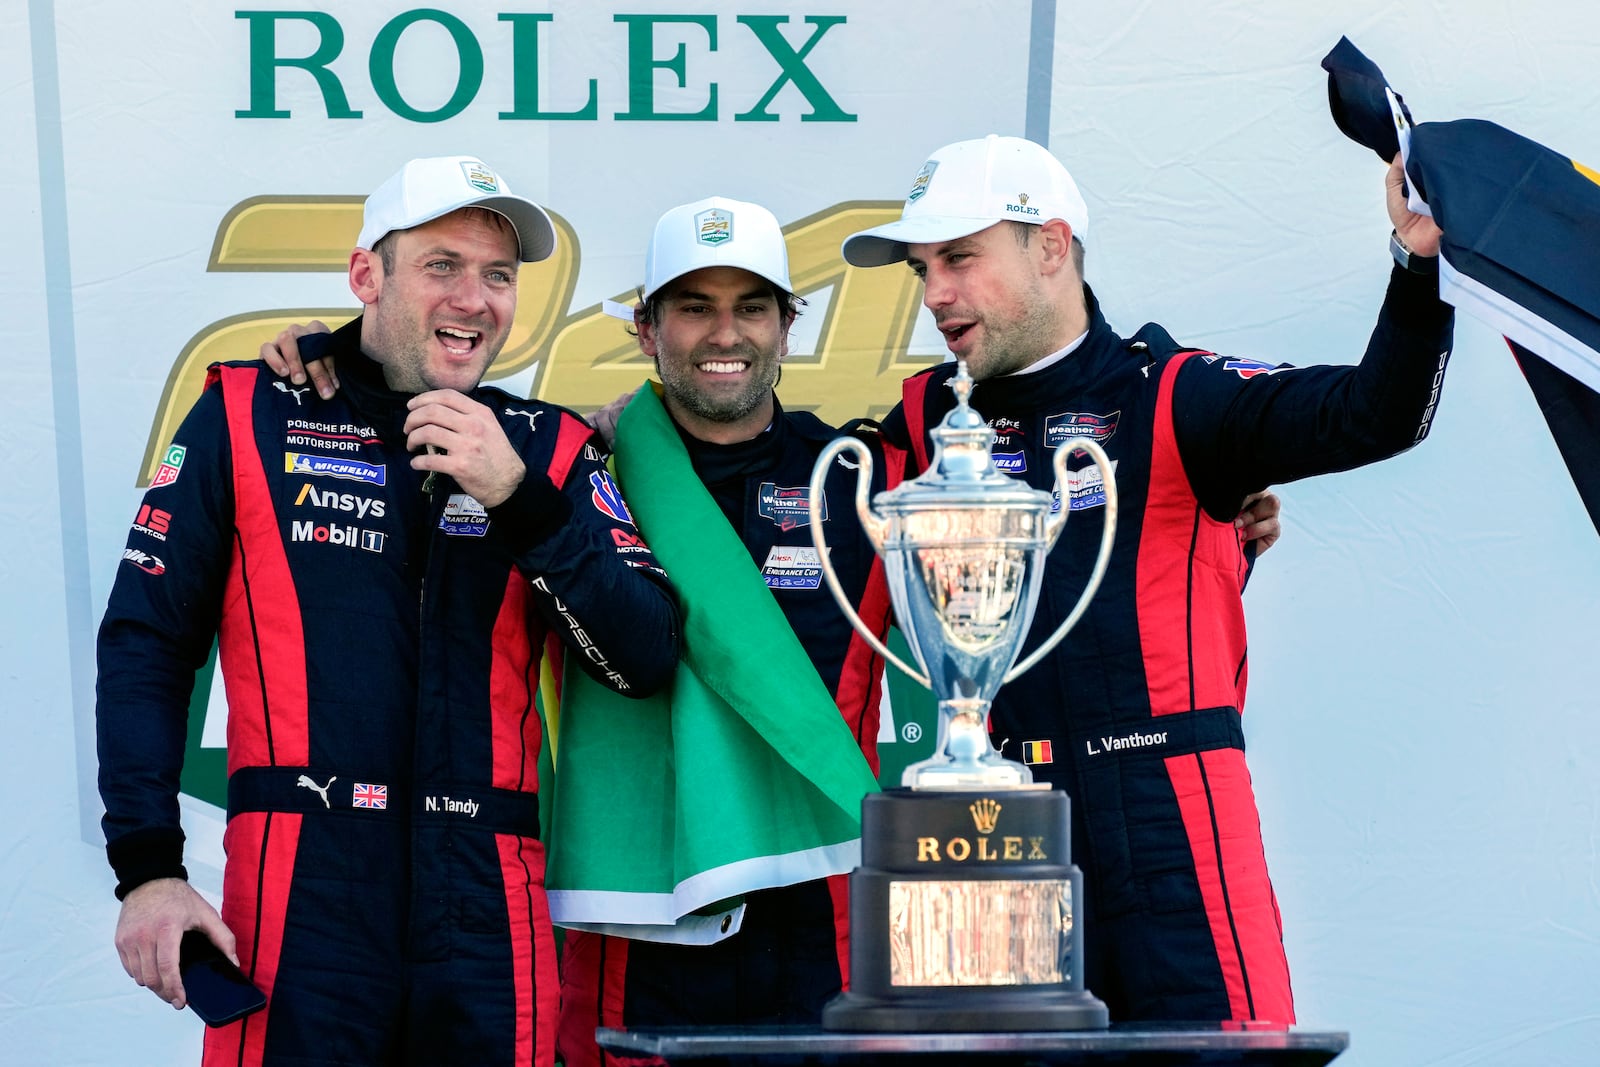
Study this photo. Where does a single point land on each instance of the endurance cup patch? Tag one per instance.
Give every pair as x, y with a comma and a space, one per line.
792, 568
464, 517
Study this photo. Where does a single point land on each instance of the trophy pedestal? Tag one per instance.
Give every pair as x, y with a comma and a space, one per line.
963, 916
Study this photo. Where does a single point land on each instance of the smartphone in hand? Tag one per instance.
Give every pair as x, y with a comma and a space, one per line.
217, 990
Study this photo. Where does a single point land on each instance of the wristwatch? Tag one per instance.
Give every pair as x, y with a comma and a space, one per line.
1408, 259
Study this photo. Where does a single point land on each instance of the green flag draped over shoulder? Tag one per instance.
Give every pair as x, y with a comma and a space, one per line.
741, 776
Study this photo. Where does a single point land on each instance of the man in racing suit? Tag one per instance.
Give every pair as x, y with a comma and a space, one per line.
1137, 714
381, 571
715, 318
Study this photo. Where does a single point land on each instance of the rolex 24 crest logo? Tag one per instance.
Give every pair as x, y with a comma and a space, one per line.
919, 184
480, 177
985, 813
713, 227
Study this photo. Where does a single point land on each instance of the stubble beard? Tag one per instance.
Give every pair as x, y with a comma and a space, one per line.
1016, 342
405, 362
728, 409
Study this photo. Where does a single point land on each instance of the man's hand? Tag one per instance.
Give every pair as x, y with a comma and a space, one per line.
604, 421
282, 354
1259, 520
1417, 232
153, 919
455, 435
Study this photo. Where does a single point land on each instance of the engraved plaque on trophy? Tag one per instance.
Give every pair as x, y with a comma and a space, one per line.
963, 911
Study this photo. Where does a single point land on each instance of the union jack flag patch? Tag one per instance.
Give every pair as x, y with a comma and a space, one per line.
369, 796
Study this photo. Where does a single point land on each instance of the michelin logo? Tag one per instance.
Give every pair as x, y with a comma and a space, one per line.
333, 467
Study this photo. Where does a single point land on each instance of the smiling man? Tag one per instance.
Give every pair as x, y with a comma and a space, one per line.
380, 570
714, 315
1180, 919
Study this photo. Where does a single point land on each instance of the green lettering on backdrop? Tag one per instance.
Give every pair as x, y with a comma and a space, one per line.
265, 61
642, 65
823, 106
380, 64
525, 72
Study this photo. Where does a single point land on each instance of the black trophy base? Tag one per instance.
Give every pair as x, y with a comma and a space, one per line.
963, 917
966, 1010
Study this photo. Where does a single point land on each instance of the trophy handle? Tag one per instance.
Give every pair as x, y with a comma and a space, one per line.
1053, 527
870, 523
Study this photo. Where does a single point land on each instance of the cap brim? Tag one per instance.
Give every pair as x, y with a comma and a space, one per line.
536, 234
736, 262
886, 244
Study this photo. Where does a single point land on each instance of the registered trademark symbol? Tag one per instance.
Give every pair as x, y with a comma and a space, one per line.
911, 732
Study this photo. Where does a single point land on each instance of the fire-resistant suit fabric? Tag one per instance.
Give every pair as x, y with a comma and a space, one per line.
1136, 715
380, 642
791, 954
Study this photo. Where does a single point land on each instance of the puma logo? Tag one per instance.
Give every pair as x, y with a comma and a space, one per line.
321, 790
847, 465
280, 387
531, 416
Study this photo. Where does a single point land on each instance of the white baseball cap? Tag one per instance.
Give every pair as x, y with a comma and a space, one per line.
426, 189
716, 232
969, 186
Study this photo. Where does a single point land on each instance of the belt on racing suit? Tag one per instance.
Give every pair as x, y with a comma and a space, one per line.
314, 790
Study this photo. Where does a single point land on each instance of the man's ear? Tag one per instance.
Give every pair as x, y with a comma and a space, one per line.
366, 275
646, 331
1055, 245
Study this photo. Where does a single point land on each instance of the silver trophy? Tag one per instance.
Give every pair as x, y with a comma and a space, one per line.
964, 548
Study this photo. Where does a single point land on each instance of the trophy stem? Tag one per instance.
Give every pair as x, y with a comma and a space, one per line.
964, 757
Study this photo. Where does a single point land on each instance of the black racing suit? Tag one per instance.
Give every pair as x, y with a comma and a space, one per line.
380, 647
1137, 713
791, 954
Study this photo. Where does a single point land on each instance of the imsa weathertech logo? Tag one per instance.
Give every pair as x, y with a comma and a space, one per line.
985, 812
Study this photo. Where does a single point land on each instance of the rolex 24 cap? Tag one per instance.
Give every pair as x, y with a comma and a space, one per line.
426, 189
969, 186
716, 232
